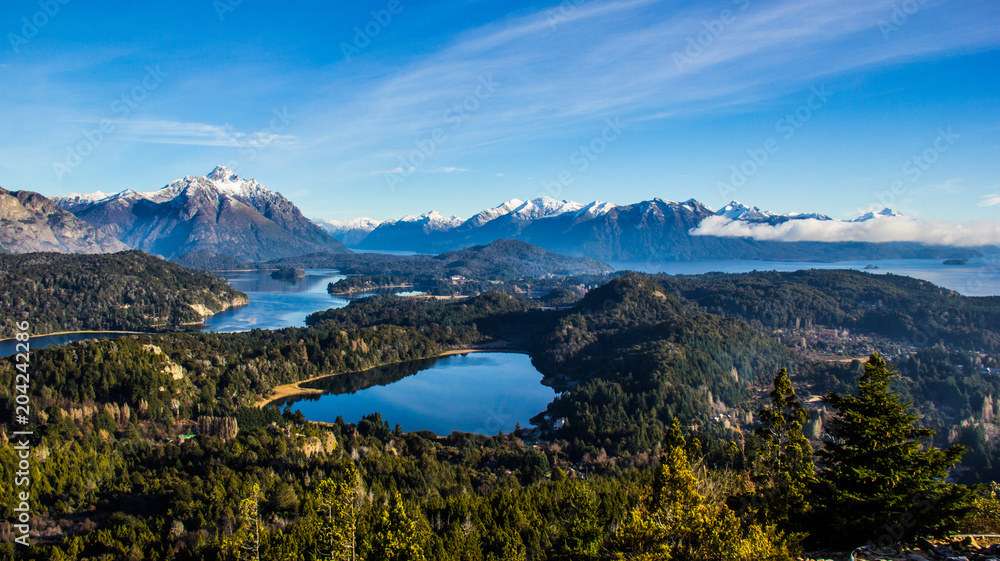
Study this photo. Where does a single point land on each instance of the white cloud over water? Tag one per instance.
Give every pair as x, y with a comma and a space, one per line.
894, 229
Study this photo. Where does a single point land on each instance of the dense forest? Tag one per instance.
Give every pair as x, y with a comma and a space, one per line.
901, 308
674, 437
126, 291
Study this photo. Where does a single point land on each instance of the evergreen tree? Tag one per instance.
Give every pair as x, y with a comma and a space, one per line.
883, 480
784, 468
394, 536
249, 542
341, 502
674, 522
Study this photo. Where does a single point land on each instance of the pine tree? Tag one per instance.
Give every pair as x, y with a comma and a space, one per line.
674, 522
883, 481
341, 501
249, 543
784, 469
395, 536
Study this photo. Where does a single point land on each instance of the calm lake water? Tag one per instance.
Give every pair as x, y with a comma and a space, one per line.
478, 392
276, 304
980, 277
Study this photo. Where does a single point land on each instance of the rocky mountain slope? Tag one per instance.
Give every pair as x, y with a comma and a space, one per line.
30, 222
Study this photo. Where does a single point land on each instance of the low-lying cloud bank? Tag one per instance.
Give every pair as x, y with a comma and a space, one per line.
889, 229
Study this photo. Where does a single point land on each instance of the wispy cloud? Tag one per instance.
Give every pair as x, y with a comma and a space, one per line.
992, 199
894, 229
446, 169
201, 134
616, 58
409, 170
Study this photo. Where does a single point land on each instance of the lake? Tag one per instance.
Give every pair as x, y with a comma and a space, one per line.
276, 304
476, 392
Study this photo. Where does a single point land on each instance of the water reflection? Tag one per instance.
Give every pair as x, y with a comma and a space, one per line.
276, 303
479, 392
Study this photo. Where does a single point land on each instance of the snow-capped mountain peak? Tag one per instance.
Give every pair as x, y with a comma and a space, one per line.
736, 210
222, 173
76, 200
872, 215
595, 209
489, 214
543, 207
432, 221
87, 197
336, 226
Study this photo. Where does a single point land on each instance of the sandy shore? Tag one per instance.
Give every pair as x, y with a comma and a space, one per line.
294, 389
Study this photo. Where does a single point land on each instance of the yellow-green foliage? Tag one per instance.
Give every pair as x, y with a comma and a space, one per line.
985, 515
675, 523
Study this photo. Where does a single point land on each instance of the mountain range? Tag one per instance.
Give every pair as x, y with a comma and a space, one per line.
648, 230
30, 222
225, 216
220, 213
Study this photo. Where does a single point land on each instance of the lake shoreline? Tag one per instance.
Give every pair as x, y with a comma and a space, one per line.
86, 331
294, 389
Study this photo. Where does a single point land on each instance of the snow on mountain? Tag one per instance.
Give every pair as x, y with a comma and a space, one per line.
739, 211
806, 216
884, 213
489, 214
544, 207
362, 224
432, 221
594, 209
219, 212
83, 197
77, 200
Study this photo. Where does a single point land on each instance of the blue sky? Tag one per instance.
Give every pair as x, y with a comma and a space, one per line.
460, 105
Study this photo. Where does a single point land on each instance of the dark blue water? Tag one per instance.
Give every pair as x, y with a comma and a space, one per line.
478, 392
275, 304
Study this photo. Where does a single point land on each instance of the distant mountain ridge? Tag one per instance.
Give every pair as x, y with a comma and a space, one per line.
220, 213
649, 230
30, 223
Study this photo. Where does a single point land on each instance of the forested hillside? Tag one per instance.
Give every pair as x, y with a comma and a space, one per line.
126, 291
499, 260
894, 306
664, 409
